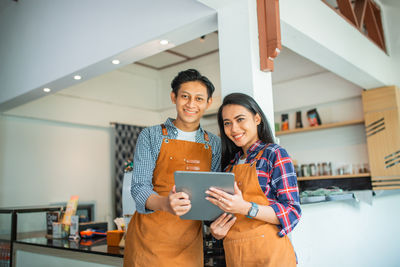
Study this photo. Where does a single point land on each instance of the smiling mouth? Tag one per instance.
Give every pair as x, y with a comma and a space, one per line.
190, 112
238, 136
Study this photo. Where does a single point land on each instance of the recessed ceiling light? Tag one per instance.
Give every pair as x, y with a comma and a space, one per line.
115, 62
77, 77
47, 90
164, 42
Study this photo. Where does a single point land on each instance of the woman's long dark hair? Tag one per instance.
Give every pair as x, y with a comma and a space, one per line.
229, 149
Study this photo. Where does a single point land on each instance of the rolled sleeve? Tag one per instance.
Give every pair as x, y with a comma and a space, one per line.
143, 167
284, 184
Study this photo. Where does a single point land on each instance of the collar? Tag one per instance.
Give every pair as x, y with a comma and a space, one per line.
169, 123
253, 150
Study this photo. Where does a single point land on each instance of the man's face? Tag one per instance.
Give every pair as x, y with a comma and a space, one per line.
191, 102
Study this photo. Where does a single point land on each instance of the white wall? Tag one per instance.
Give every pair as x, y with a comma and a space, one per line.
336, 100
44, 162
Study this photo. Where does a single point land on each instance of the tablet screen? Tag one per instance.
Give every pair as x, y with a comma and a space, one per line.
195, 185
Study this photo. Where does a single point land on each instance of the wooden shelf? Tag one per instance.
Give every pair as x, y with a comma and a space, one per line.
346, 176
320, 127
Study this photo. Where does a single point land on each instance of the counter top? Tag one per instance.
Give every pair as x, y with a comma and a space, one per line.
93, 246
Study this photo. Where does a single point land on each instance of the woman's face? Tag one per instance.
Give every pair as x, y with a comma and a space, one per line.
240, 125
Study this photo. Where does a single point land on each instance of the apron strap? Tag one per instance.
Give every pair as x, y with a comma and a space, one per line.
164, 133
260, 153
164, 130
206, 138
257, 158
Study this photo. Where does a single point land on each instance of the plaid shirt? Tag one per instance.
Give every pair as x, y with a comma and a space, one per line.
146, 153
278, 181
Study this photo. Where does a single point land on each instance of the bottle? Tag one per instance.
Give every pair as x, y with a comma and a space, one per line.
313, 169
299, 123
320, 169
305, 170
284, 122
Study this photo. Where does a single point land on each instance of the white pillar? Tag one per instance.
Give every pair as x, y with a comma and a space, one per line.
239, 53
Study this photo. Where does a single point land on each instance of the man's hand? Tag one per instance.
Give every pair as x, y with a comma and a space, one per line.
178, 203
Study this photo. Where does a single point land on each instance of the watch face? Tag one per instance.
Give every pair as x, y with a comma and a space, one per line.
253, 211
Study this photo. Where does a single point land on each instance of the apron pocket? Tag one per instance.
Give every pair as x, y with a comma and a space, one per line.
247, 251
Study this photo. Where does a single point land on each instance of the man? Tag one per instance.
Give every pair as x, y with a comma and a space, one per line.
156, 235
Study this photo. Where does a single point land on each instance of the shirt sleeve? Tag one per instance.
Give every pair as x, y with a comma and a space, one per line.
284, 186
143, 167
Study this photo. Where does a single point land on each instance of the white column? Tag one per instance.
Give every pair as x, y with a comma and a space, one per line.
239, 53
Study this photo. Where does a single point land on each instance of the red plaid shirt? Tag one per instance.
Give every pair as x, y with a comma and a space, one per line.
278, 181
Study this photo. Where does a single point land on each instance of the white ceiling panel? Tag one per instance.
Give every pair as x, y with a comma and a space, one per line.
162, 59
117, 88
198, 46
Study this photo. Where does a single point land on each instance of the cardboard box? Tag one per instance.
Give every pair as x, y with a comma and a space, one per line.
114, 237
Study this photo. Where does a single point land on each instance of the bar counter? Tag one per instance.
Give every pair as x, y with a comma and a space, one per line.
41, 251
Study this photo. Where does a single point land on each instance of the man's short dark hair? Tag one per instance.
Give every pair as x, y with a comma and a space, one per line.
191, 75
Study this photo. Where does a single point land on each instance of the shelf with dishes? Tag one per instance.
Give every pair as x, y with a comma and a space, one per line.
320, 127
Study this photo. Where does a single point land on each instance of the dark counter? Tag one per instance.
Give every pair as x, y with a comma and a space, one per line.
93, 246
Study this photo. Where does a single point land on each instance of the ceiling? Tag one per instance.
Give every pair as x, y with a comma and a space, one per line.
288, 65
205, 45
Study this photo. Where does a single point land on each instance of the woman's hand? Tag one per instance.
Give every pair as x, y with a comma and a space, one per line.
178, 203
220, 227
227, 202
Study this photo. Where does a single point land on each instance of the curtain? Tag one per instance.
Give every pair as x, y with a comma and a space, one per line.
125, 143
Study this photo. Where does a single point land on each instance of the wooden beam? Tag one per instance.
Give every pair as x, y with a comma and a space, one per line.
269, 32
273, 29
265, 64
372, 26
347, 10
359, 10
378, 18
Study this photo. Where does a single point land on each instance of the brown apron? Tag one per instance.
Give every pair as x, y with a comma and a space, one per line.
160, 238
251, 242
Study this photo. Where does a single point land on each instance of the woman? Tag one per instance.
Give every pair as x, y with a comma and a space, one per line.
266, 199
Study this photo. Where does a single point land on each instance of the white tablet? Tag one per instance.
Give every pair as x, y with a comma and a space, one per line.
195, 185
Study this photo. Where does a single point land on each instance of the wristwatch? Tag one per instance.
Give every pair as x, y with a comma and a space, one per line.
252, 211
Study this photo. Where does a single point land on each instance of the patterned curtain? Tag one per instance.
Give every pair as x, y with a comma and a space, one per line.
125, 143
